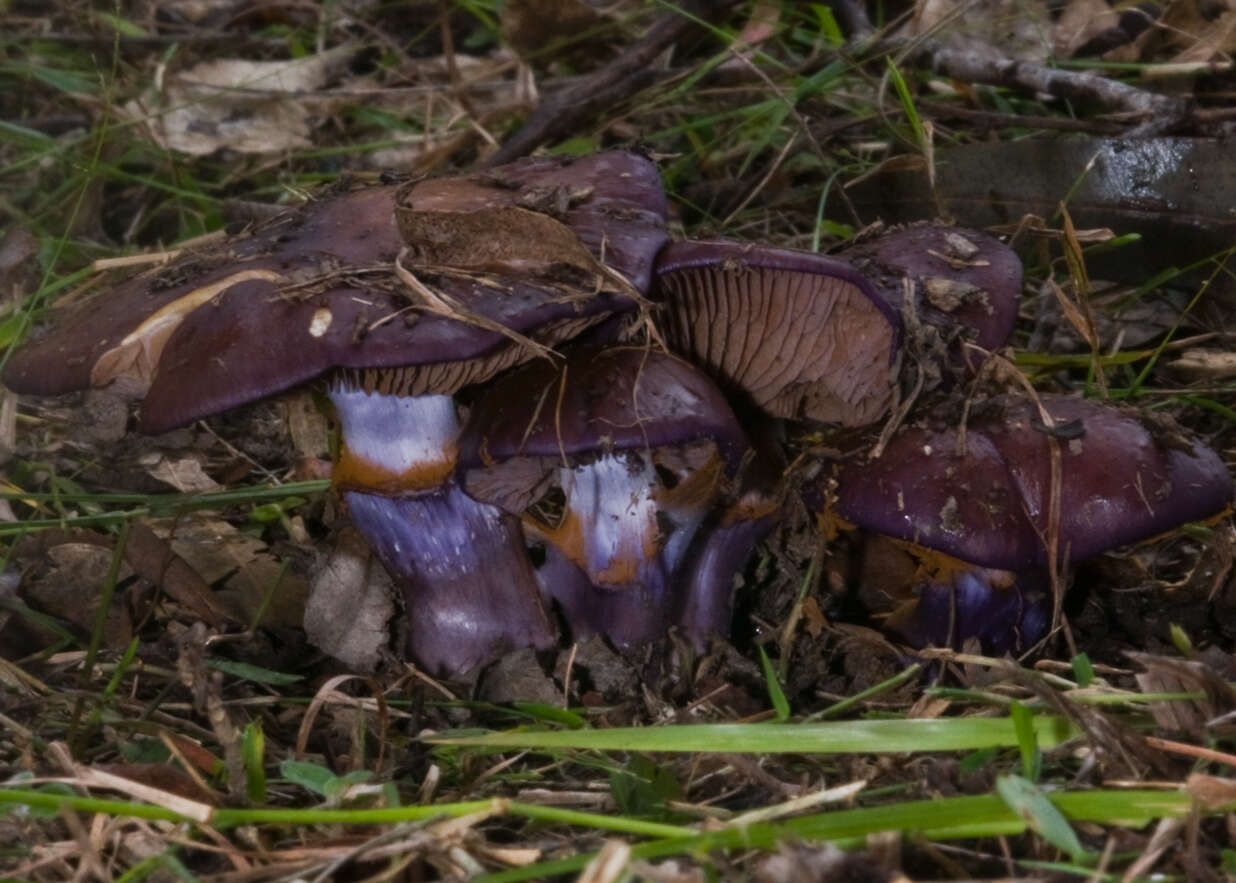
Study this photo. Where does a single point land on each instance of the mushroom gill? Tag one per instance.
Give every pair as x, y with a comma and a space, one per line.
801, 335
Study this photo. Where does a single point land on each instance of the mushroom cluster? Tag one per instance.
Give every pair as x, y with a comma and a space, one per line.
527, 461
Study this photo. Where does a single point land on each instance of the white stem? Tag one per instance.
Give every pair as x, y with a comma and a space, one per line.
611, 501
399, 434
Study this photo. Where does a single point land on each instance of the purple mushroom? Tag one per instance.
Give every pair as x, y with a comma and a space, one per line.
959, 279
614, 460
976, 524
397, 327
797, 334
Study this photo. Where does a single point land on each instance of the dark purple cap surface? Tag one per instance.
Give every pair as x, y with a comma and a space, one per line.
316, 289
960, 277
353, 229
1123, 479
600, 399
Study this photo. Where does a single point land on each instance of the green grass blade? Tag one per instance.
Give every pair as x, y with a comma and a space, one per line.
829, 737
945, 819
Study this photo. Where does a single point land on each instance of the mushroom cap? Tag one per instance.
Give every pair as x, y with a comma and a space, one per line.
800, 334
1123, 479
960, 276
609, 201
349, 229
317, 289
611, 399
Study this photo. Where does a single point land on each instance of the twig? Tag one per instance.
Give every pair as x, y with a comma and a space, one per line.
440, 304
1160, 113
566, 111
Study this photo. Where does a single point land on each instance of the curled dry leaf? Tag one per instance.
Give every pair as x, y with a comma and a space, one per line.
238, 104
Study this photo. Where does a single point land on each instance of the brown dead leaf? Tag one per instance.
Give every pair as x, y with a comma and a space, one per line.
72, 586
154, 559
1080, 322
1168, 675
1079, 23
212, 547
247, 589
1212, 792
533, 26
162, 777
1013, 28
185, 474
1198, 34
350, 603
242, 105
18, 248
308, 427
492, 238
814, 620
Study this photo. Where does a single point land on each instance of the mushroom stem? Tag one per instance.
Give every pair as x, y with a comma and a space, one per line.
706, 603
469, 590
614, 478
394, 443
468, 587
931, 599
616, 562
610, 532
627, 615
1006, 612
609, 526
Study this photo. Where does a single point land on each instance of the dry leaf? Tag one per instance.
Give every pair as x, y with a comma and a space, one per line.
349, 605
71, 590
154, 559
185, 474
1212, 792
242, 105
1170, 675
308, 427
246, 590
1204, 363
1079, 23
1012, 28
212, 547
1199, 38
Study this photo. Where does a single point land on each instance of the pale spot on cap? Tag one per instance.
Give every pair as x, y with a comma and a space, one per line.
320, 322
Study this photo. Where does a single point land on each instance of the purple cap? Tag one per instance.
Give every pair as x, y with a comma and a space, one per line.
961, 277
1123, 479
601, 399
317, 289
